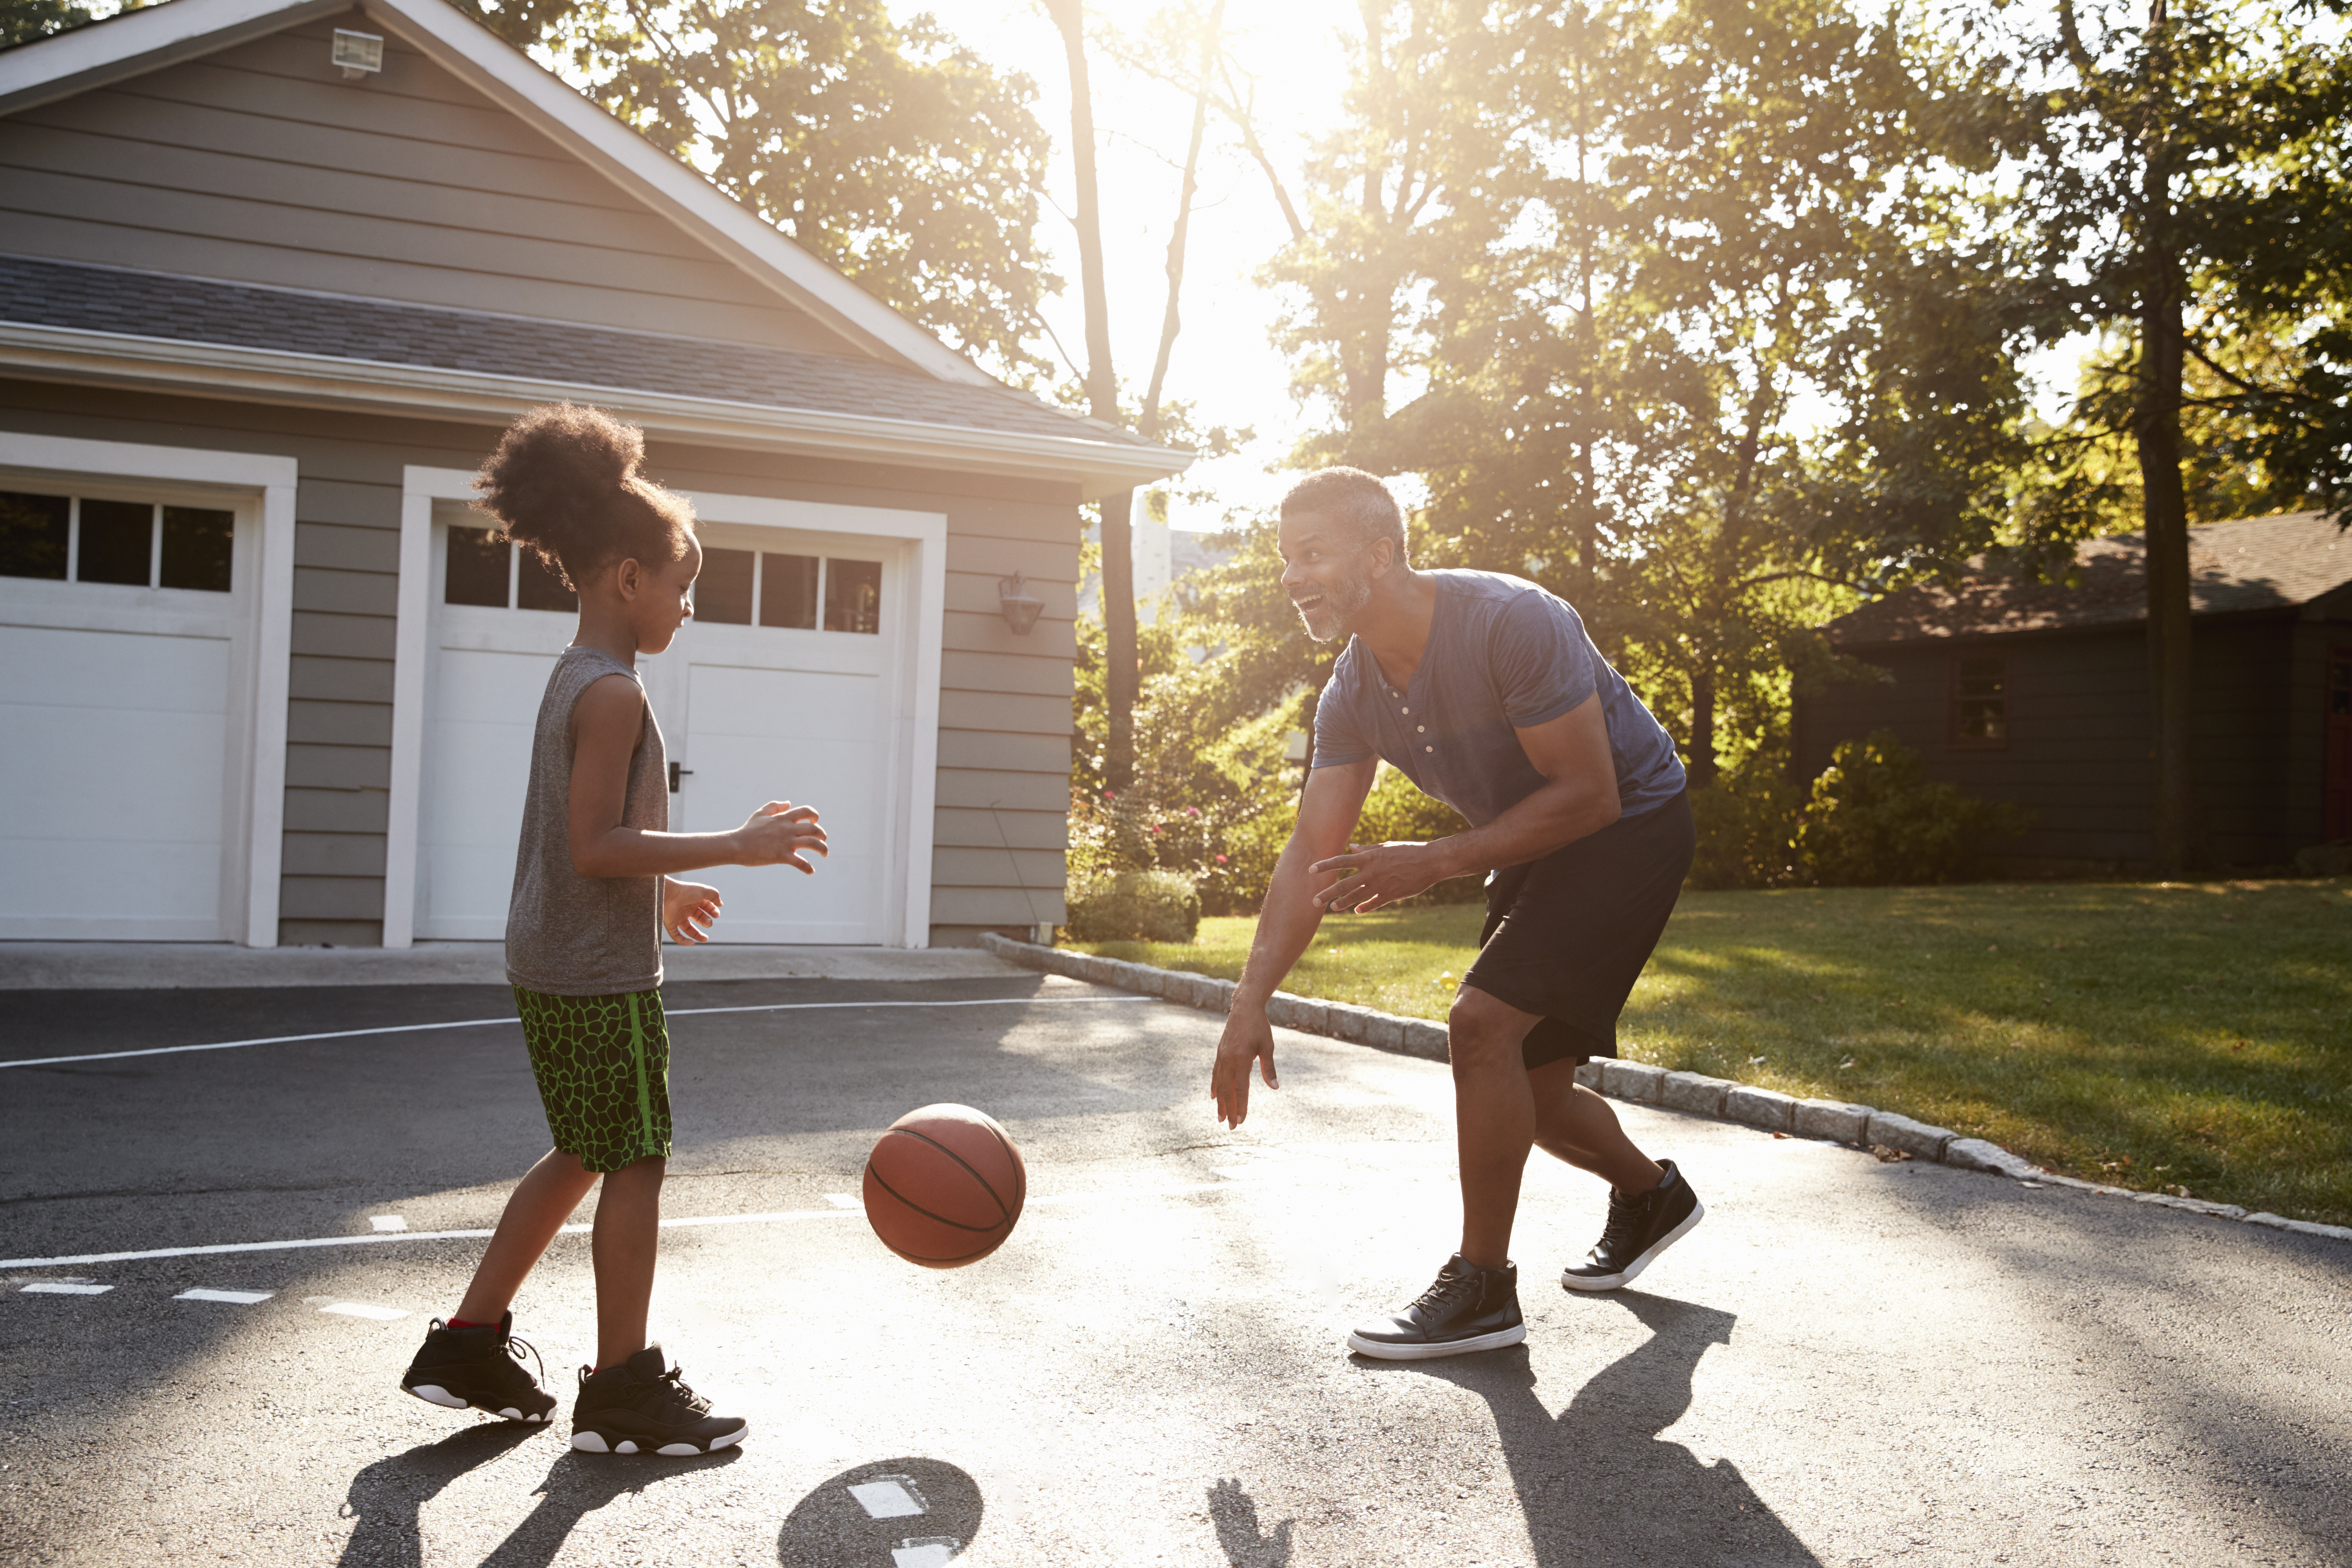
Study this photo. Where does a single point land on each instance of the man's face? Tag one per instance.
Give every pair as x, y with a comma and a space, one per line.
1327, 570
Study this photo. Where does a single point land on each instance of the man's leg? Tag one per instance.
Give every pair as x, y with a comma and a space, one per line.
1574, 1124
1495, 1118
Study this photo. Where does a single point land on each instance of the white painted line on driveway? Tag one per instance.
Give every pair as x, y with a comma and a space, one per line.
63, 1288
387, 1223
887, 1497
842, 1200
233, 1297
688, 1222
361, 1309
484, 1023
930, 1552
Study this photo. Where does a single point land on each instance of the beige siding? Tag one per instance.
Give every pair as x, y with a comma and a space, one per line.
262, 164
1000, 826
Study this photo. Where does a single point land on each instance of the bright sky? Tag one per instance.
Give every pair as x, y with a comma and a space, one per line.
1224, 361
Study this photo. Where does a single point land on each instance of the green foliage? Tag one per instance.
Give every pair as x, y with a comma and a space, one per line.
22, 21
1747, 825
1875, 820
1134, 906
885, 148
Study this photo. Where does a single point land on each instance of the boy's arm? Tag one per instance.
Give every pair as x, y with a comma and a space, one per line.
606, 722
1333, 799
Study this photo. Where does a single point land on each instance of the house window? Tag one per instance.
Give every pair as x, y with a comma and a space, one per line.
138, 544
1978, 713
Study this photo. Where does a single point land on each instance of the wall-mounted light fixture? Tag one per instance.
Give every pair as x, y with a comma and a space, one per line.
359, 54
1019, 605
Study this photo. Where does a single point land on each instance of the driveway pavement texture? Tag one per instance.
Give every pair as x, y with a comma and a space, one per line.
1849, 1363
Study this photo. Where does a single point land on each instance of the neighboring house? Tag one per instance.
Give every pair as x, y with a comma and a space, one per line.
273, 275
2038, 693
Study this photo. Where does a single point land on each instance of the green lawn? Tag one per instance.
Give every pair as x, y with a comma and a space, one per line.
2192, 1037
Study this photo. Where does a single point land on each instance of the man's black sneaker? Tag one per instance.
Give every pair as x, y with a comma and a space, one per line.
480, 1367
644, 1406
1469, 1309
1639, 1229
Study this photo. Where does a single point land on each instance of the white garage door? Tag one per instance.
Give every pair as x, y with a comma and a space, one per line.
123, 631
781, 689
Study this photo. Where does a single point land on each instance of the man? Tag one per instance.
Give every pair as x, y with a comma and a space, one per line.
1486, 690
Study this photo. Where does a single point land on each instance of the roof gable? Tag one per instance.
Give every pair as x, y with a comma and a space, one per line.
2246, 565
146, 41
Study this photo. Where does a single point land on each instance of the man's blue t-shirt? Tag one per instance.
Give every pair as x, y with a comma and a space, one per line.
1503, 655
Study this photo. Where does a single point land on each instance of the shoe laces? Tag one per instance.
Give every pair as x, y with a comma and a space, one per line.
515, 1347
673, 1395
1445, 1291
1625, 1214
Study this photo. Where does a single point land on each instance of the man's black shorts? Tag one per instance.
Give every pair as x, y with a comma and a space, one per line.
1567, 935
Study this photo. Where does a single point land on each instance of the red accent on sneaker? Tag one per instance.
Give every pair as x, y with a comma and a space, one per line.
462, 1323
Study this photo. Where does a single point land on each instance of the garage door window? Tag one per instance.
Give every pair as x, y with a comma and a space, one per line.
770, 588
138, 544
499, 576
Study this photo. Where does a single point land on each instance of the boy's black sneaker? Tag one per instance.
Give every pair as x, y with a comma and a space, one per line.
1469, 1309
644, 1406
480, 1367
1639, 1229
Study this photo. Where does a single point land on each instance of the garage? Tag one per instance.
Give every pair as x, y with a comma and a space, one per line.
796, 679
131, 627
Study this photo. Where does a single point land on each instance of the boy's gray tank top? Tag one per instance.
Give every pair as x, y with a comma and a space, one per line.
570, 935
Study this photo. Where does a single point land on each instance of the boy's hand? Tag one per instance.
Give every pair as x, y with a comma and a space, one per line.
781, 834
689, 909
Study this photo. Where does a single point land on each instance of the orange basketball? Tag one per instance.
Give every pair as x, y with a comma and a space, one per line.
944, 1185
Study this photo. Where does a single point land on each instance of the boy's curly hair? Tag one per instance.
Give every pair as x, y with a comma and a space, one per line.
564, 482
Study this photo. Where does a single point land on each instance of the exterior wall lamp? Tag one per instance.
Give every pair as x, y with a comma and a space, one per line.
1019, 605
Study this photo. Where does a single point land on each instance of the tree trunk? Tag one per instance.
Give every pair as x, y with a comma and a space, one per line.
2164, 516
1702, 769
2164, 503
1102, 397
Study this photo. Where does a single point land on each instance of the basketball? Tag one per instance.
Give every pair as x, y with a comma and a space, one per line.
944, 1185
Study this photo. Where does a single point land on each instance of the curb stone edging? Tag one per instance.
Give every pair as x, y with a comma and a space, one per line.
1638, 1083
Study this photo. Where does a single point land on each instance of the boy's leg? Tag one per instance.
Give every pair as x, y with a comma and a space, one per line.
537, 1209
628, 1230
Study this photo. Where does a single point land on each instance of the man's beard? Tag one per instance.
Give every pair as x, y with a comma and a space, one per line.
1342, 602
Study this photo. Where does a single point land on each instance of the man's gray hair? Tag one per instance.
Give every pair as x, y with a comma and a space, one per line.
1356, 498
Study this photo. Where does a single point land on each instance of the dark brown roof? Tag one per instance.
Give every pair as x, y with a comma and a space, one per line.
41, 292
2252, 563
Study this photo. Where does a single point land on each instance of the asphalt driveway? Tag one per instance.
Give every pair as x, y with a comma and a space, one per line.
1848, 1362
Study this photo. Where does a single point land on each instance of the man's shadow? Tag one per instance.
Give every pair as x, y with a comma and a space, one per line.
1597, 1482
1234, 1513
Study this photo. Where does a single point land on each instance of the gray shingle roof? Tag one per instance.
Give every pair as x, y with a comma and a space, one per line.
2252, 563
40, 292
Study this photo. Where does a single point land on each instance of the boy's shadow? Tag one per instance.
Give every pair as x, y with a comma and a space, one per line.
388, 1496
1598, 1482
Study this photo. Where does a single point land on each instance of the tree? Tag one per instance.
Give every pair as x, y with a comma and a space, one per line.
2179, 181
888, 149
22, 21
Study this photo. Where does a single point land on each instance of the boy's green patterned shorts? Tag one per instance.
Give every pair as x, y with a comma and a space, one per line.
602, 1066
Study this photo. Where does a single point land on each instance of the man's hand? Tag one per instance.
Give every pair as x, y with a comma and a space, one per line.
781, 834
689, 909
1248, 1038
1384, 874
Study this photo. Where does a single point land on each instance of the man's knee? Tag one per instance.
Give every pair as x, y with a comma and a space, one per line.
1482, 1034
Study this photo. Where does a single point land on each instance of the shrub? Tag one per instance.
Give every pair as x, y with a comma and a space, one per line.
1748, 829
1874, 819
1134, 906
1396, 811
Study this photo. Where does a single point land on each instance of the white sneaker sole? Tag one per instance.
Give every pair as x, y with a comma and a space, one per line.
1599, 1282
593, 1443
433, 1394
1381, 1351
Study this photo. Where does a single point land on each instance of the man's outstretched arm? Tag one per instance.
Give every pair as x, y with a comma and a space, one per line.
1327, 810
